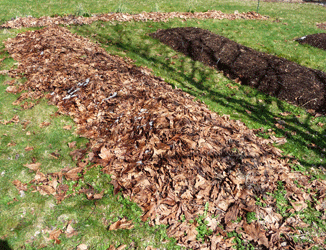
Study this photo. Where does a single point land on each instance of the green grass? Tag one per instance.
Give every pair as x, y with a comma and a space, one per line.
33, 213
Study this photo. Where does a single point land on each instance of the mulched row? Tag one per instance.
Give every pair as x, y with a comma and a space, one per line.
315, 40
270, 74
166, 151
126, 17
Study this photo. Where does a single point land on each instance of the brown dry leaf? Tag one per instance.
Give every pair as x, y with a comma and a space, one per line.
72, 144
40, 177
106, 154
28, 133
72, 174
27, 105
33, 166
150, 248
82, 247
20, 186
279, 141
298, 205
12, 89
4, 72
98, 196
232, 214
67, 127
11, 144
46, 190
29, 149
121, 247
55, 155
121, 224
256, 233
15, 120
70, 231
54, 235
44, 124
320, 124
286, 113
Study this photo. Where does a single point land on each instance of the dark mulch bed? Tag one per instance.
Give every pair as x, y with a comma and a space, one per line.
270, 74
316, 40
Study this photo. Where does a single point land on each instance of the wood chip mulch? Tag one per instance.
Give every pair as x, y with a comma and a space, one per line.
164, 150
315, 40
270, 74
125, 17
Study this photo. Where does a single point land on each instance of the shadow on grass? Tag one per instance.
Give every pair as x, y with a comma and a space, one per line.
4, 245
306, 143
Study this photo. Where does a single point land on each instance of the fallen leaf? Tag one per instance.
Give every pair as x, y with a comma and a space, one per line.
256, 233
44, 124
12, 89
33, 166
121, 224
67, 127
29, 149
72, 144
82, 247
20, 186
70, 231
121, 247
54, 235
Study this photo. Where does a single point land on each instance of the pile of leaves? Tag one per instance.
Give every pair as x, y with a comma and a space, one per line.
21, 22
315, 40
199, 173
270, 74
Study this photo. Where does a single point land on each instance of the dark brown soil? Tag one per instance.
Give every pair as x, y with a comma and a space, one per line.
316, 40
270, 74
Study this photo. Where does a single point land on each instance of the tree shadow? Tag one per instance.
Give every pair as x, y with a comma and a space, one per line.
184, 72
4, 245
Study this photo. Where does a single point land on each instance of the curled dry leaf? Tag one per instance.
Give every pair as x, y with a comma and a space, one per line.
29, 149
67, 127
72, 144
20, 186
54, 235
44, 124
82, 247
121, 224
33, 166
70, 231
12, 89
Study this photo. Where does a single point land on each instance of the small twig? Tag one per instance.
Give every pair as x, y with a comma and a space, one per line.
309, 101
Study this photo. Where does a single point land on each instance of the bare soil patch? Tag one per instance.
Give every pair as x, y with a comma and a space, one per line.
316, 40
270, 74
125, 17
164, 150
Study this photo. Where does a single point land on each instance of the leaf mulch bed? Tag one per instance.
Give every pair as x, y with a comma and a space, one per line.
270, 74
315, 40
166, 151
125, 17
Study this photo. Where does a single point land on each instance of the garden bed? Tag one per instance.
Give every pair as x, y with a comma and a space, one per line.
270, 74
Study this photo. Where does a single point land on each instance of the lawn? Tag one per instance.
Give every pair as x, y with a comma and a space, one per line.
38, 135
